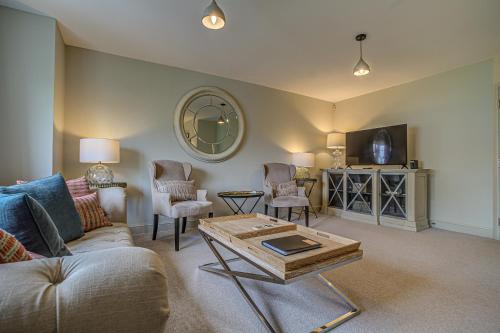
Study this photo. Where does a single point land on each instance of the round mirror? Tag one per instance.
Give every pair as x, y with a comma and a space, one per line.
209, 124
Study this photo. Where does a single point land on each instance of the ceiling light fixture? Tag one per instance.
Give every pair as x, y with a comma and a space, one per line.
213, 17
361, 67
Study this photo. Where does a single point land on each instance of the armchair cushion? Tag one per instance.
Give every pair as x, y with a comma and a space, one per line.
290, 201
179, 190
190, 208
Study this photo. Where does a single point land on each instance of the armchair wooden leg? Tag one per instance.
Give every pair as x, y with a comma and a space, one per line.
176, 221
276, 212
210, 215
289, 214
155, 225
184, 222
306, 209
266, 208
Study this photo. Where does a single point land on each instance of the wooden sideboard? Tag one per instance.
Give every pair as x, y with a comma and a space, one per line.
391, 197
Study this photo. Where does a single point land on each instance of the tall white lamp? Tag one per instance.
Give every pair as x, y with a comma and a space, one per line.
303, 161
336, 141
99, 151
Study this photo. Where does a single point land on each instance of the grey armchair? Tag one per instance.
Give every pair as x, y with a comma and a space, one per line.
162, 203
277, 173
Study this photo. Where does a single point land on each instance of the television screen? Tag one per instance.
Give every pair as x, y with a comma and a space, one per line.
385, 145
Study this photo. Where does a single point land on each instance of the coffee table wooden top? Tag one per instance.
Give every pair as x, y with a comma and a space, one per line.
244, 234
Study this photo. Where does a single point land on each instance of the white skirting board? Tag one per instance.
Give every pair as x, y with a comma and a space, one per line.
465, 229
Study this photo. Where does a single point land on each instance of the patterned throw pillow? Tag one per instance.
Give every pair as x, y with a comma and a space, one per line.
11, 250
180, 190
287, 189
78, 187
91, 213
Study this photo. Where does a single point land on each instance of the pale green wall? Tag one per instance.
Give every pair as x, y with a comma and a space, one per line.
27, 72
58, 124
451, 120
134, 101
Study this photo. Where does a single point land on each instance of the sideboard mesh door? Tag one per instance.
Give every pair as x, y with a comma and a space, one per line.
393, 195
336, 190
359, 193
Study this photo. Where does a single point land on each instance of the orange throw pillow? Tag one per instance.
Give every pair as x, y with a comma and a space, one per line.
11, 250
91, 213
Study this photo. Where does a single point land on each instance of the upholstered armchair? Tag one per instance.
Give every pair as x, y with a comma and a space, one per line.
165, 170
279, 173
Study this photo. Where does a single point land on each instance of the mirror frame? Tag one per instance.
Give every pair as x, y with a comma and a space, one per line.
180, 110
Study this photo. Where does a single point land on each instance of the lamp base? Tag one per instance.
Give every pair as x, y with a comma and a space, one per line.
99, 174
337, 154
302, 173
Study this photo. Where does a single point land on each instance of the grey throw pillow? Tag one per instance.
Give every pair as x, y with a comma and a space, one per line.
180, 190
287, 189
23, 217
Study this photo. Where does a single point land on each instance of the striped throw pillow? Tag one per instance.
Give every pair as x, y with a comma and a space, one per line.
11, 250
90, 211
78, 187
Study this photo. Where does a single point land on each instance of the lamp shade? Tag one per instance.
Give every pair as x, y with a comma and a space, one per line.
335, 141
213, 17
305, 160
99, 151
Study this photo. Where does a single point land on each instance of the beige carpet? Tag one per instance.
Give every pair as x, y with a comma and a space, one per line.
431, 281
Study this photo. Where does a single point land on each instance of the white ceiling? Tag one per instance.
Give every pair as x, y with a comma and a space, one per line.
300, 46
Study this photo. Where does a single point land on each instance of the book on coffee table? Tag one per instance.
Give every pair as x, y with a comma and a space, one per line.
291, 244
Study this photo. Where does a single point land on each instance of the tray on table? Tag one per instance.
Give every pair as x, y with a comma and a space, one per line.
239, 234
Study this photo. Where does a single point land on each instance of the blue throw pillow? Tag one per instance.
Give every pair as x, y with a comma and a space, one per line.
23, 217
53, 194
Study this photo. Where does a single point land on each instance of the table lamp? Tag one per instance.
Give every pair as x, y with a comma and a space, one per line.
336, 141
303, 161
99, 151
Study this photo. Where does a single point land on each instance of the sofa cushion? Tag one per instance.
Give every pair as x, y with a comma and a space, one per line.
23, 217
53, 194
11, 250
117, 235
91, 213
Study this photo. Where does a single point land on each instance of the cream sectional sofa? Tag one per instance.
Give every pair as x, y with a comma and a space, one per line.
108, 285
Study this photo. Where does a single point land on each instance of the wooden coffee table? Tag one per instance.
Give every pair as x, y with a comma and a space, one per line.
243, 234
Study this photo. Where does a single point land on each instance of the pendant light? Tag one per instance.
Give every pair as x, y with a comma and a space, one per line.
361, 67
213, 17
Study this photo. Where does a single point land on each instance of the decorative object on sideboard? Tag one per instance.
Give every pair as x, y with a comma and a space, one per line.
213, 17
413, 164
209, 124
361, 67
303, 161
93, 150
336, 141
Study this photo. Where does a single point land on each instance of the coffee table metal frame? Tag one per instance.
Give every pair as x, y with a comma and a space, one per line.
354, 310
231, 195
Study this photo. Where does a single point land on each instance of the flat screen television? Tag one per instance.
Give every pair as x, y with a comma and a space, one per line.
379, 146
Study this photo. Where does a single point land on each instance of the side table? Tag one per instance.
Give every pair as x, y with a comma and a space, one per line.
245, 195
302, 182
106, 185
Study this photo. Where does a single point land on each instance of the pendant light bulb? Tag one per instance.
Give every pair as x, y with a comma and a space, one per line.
213, 17
361, 67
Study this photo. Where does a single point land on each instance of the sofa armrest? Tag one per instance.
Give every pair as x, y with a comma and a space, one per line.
114, 202
113, 290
